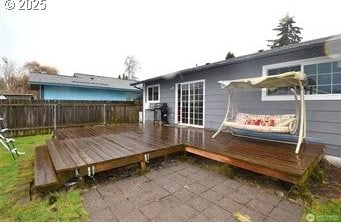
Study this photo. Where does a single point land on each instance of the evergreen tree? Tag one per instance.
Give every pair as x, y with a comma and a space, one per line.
124, 76
229, 55
288, 33
119, 76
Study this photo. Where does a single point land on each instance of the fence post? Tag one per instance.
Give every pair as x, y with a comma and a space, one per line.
55, 116
104, 114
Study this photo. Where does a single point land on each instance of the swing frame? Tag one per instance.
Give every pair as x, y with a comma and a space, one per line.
280, 79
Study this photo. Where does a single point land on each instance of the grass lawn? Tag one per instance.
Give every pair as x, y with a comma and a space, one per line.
15, 176
329, 210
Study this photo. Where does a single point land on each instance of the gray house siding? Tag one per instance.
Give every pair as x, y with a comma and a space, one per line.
323, 116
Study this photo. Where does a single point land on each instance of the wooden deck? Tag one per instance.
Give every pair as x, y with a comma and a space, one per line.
75, 151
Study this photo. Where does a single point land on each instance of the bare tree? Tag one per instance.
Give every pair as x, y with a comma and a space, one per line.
11, 74
131, 66
14, 77
35, 67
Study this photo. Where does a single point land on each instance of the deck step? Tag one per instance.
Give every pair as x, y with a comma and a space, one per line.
45, 174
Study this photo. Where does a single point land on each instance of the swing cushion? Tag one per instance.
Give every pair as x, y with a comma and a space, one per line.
263, 123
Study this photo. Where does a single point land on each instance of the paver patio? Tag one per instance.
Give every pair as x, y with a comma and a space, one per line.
184, 192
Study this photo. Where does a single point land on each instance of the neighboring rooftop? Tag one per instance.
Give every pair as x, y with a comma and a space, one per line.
82, 80
4, 96
335, 42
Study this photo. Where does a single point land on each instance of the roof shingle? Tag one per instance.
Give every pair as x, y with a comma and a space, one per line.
81, 80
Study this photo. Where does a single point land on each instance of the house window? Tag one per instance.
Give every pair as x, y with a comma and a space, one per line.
323, 79
153, 93
190, 98
275, 71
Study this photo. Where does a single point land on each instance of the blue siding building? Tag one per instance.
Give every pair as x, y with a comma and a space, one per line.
83, 87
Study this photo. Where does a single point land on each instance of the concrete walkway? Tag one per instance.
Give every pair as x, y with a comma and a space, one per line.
184, 192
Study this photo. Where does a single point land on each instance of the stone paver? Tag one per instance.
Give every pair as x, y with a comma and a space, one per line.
198, 203
216, 213
212, 196
260, 206
282, 215
254, 215
172, 186
230, 205
152, 210
200, 218
197, 188
103, 215
184, 192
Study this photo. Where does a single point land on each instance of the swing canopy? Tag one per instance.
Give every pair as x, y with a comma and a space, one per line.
288, 79
265, 123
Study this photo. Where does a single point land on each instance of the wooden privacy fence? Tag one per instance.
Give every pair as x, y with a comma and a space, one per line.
40, 117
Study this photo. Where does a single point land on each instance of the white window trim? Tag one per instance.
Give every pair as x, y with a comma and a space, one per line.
301, 63
151, 86
176, 104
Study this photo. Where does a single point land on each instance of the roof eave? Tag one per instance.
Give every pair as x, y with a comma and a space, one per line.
241, 59
81, 86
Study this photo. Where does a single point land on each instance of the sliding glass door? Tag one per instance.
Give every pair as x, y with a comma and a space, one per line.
190, 103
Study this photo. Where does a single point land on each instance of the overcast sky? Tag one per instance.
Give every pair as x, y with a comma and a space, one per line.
94, 37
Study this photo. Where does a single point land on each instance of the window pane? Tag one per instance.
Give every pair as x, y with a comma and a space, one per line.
337, 78
324, 89
150, 94
323, 68
284, 90
272, 71
336, 89
310, 69
156, 96
283, 70
311, 89
311, 79
324, 79
337, 66
295, 68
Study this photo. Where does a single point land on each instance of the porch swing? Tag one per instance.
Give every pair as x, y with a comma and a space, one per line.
278, 128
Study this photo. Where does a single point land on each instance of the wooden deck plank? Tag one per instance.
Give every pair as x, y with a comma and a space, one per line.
50, 173
85, 157
58, 160
118, 147
111, 146
104, 148
269, 151
241, 151
81, 145
99, 150
139, 146
115, 150
154, 142
60, 156
39, 170
131, 147
245, 165
45, 174
75, 155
